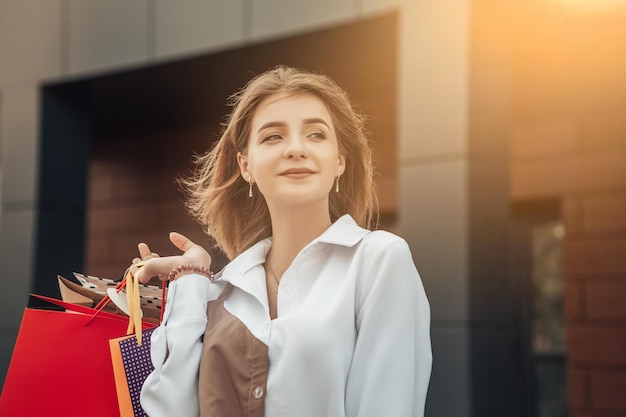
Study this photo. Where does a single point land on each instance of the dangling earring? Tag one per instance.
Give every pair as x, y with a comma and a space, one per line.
251, 183
250, 189
337, 184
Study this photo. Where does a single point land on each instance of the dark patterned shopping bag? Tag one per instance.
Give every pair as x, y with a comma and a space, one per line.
131, 367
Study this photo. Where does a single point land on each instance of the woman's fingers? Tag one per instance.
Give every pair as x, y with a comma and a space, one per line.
181, 242
159, 267
194, 254
154, 265
144, 251
145, 254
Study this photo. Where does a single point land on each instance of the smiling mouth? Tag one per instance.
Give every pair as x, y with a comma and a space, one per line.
297, 173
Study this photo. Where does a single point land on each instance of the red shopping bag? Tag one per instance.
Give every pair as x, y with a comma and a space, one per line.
60, 367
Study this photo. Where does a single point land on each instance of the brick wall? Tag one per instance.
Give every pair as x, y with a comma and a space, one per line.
595, 264
569, 142
593, 195
133, 197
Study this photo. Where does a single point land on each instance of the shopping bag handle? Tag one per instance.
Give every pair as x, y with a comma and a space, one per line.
76, 307
131, 283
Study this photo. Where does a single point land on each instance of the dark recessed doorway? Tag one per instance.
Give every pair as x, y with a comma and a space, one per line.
111, 145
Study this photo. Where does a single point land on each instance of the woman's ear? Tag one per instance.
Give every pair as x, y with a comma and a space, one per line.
341, 164
242, 161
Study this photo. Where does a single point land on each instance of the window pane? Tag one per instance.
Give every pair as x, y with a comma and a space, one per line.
548, 323
548, 331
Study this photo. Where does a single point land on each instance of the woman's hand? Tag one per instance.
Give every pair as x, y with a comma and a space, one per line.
154, 265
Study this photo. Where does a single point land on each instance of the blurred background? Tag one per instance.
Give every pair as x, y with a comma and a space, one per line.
500, 134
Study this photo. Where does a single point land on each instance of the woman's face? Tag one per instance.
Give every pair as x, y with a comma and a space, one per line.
292, 155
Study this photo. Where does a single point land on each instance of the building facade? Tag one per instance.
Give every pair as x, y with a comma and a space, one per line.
493, 106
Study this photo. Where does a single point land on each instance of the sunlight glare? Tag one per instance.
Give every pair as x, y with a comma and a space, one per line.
592, 5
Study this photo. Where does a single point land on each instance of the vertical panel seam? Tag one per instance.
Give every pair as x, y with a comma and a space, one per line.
64, 37
150, 29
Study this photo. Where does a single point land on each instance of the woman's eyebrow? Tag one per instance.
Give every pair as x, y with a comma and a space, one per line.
316, 120
271, 124
309, 121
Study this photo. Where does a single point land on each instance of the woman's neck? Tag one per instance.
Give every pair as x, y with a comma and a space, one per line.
292, 229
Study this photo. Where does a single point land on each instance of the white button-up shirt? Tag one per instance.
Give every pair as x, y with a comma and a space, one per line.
351, 338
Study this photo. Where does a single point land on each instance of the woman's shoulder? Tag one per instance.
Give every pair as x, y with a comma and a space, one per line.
346, 225
382, 242
382, 237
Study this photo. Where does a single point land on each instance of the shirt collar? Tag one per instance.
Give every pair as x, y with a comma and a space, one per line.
343, 232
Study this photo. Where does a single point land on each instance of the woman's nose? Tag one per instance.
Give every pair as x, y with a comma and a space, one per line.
296, 148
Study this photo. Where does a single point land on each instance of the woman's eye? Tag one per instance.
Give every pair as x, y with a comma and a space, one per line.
270, 137
317, 135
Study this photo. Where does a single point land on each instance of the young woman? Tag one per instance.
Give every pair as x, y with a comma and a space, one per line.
315, 315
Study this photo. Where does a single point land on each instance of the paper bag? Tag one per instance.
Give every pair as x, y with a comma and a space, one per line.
60, 367
131, 367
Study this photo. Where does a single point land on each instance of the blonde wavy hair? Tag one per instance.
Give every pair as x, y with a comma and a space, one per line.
218, 195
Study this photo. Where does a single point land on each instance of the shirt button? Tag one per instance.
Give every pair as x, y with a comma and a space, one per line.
287, 289
266, 327
257, 392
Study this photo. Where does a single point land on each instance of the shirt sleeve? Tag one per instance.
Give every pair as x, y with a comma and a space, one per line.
176, 346
392, 360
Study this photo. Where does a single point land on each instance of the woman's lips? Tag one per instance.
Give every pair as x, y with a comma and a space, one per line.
297, 173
